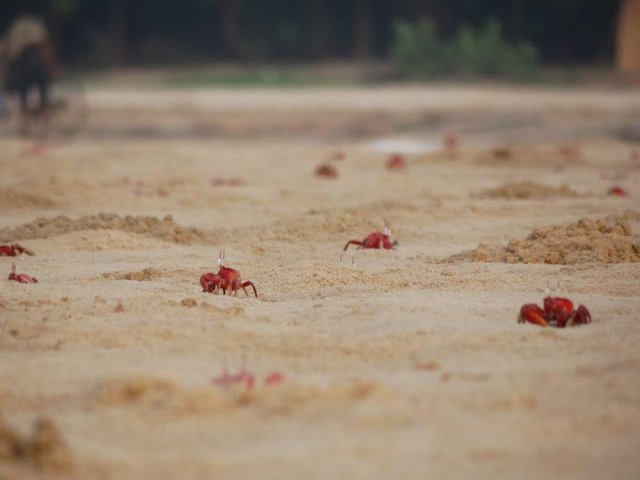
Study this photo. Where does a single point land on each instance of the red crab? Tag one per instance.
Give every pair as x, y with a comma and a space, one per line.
226, 379
274, 379
570, 151
226, 279
450, 141
396, 162
617, 191
13, 250
246, 378
227, 182
557, 312
326, 170
375, 240
34, 151
21, 277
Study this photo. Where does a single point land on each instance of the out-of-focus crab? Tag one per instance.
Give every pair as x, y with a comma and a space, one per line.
226, 379
13, 250
20, 277
617, 191
227, 182
450, 141
396, 162
326, 170
571, 151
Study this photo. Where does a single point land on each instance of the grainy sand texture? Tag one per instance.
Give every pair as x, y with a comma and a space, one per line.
394, 364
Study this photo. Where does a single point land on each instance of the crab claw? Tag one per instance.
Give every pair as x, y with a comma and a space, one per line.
221, 258
208, 281
581, 316
532, 313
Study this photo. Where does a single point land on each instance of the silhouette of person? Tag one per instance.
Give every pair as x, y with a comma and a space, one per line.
30, 62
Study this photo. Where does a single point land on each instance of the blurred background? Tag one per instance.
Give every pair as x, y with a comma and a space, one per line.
517, 39
114, 53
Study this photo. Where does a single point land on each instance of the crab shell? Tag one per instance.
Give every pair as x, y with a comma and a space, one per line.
558, 310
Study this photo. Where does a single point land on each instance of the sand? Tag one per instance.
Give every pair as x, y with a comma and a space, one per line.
527, 190
397, 364
603, 240
43, 450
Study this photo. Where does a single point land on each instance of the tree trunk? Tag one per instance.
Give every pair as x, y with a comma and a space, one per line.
363, 29
628, 44
516, 19
319, 34
230, 13
117, 31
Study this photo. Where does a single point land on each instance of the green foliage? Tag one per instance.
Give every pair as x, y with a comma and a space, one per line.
64, 8
418, 52
416, 49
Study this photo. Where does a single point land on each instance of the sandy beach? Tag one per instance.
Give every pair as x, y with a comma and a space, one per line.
395, 364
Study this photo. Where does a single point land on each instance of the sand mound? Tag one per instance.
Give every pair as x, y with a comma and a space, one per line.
95, 241
524, 155
150, 274
526, 190
143, 275
156, 396
44, 449
165, 229
315, 226
63, 189
13, 198
608, 240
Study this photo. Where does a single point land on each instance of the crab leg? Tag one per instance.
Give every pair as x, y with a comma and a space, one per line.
352, 242
249, 284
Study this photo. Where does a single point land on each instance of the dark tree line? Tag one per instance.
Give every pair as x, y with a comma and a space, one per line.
154, 31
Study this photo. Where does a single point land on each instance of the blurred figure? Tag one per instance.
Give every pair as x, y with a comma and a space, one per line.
628, 48
29, 61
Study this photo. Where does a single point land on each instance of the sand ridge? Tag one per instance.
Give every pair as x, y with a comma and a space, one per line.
527, 190
165, 229
12, 198
44, 449
525, 156
169, 400
608, 240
